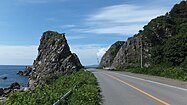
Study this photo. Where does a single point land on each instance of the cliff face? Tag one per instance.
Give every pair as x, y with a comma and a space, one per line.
129, 54
54, 57
109, 56
160, 39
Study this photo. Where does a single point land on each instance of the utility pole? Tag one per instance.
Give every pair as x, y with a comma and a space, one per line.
141, 55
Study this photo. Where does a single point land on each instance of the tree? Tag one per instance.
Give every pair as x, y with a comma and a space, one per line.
175, 49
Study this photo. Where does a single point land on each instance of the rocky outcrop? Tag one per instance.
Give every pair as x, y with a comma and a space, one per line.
26, 72
1, 91
127, 54
109, 56
54, 57
4, 78
12, 88
20, 73
14, 85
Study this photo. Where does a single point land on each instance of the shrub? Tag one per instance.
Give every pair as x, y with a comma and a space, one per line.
172, 72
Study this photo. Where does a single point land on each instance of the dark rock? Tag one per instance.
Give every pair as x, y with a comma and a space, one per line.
54, 57
20, 73
12, 88
26, 72
1, 91
4, 78
14, 85
6, 91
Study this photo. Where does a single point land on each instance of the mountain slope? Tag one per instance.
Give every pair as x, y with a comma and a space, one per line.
164, 42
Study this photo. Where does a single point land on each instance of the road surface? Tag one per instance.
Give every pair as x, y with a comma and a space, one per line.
121, 89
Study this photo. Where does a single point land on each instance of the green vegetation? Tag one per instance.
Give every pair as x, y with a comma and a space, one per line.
115, 48
55, 35
167, 37
172, 72
175, 49
86, 93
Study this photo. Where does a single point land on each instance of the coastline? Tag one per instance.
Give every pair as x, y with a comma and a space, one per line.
10, 71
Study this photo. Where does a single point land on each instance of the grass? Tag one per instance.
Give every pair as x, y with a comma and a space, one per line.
178, 73
86, 93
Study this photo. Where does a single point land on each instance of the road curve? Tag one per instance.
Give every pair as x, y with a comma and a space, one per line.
122, 89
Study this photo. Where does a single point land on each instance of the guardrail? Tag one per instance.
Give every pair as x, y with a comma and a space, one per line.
65, 97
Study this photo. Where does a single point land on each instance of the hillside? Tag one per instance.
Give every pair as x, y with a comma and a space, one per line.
164, 42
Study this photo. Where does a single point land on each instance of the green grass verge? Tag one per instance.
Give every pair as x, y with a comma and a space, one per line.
172, 72
87, 92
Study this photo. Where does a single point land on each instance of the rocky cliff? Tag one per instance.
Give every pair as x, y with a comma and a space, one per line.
109, 56
54, 57
163, 40
128, 54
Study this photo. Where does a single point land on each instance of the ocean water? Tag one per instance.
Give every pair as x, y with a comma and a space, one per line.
10, 71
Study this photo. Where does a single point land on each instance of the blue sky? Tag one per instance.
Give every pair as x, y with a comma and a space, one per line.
91, 26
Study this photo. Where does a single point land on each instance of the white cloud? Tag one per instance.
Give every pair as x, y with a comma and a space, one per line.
125, 14
123, 19
87, 53
102, 51
17, 54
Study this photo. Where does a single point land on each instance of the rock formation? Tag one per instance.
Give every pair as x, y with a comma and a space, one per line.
127, 54
4, 78
109, 56
54, 57
12, 88
1, 91
26, 72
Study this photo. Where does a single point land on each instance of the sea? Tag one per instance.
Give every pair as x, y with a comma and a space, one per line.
10, 71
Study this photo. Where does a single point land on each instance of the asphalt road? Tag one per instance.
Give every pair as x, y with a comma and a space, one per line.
121, 89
